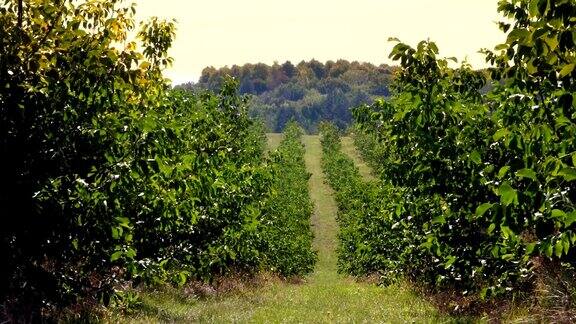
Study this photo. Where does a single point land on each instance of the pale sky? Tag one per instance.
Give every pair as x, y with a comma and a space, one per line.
227, 32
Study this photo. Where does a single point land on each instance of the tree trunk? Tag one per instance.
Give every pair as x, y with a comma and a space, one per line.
20, 9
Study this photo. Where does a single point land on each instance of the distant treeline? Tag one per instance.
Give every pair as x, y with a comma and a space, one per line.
308, 92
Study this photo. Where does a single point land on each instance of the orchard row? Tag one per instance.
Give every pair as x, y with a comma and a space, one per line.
478, 168
112, 180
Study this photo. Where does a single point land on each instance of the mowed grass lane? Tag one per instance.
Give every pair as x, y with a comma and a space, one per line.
273, 140
349, 148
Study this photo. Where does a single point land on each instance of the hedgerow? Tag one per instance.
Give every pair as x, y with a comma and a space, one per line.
287, 220
110, 179
365, 247
483, 184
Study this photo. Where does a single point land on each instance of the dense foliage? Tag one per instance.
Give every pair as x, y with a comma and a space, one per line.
308, 92
289, 209
483, 186
109, 178
365, 247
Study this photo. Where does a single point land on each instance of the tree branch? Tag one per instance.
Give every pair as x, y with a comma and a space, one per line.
20, 14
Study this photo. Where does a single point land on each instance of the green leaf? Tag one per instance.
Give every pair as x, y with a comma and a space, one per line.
130, 253
483, 293
491, 228
501, 133
507, 194
481, 210
566, 244
531, 68
562, 121
539, 33
182, 277
75, 244
530, 248
450, 262
149, 123
433, 47
145, 65
570, 219
518, 34
439, 220
501, 47
548, 250
164, 167
533, 8
503, 171
475, 157
558, 248
495, 251
552, 42
526, 173
123, 221
557, 213
116, 233
506, 232
567, 69
569, 174
116, 255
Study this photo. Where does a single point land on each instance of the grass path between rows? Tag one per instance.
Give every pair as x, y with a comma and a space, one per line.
339, 298
349, 148
323, 297
273, 141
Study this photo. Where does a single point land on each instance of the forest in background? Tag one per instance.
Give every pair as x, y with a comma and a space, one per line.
307, 92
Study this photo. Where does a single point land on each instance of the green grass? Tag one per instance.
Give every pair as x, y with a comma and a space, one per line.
274, 140
349, 148
323, 297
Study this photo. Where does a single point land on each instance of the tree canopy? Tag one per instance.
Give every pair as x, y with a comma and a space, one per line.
307, 92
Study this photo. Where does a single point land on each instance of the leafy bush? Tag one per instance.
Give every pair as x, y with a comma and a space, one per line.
483, 184
110, 178
73, 111
287, 221
365, 246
